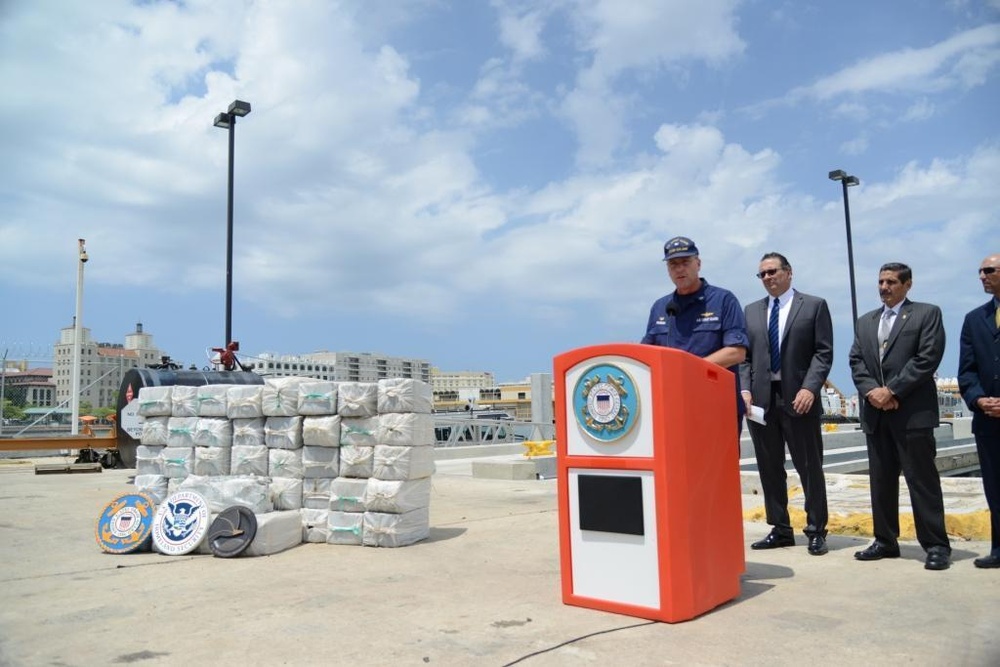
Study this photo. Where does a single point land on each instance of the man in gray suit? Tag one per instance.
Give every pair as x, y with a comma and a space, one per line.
896, 351
791, 350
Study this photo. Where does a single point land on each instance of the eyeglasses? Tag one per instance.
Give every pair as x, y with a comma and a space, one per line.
987, 270
767, 273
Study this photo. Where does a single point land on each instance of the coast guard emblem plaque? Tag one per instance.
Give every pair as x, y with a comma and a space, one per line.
181, 523
125, 524
605, 402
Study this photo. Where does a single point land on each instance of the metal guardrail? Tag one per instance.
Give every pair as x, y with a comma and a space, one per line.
460, 431
60, 442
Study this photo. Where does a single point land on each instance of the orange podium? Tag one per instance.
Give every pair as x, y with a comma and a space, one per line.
650, 507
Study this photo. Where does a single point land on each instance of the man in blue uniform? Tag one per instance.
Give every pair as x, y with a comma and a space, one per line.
699, 318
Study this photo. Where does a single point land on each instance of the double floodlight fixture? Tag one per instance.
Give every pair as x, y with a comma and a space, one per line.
841, 175
237, 108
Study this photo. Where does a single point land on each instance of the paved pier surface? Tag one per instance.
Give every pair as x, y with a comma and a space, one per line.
483, 590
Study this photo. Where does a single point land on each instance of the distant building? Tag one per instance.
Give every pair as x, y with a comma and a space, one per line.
102, 365
459, 390
28, 387
342, 366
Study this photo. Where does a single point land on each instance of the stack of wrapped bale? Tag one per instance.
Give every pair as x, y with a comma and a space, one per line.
317, 404
150, 473
351, 461
387, 435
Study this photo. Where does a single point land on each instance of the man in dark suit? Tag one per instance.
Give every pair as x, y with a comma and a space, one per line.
979, 382
791, 350
896, 351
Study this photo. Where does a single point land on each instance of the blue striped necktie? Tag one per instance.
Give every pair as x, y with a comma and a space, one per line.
772, 337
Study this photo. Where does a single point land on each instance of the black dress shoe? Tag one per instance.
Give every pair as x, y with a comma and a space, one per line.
817, 545
774, 540
938, 558
988, 561
877, 551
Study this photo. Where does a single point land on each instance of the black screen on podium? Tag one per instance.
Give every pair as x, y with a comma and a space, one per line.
611, 503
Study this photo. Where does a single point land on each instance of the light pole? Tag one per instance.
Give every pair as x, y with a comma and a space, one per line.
77, 336
227, 121
847, 181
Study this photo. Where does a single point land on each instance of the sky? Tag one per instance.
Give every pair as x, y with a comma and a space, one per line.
482, 184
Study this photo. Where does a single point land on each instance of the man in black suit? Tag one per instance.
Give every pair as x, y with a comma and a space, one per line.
896, 351
979, 382
791, 350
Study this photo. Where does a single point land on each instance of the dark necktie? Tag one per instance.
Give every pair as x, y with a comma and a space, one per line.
772, 337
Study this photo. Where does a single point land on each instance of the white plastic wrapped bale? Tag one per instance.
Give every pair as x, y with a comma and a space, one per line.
244, 401
180, 431
172, 484
321, 431
316, 493
154, 401
401, 463
358, 431
356, 461
286, 493
248, 431
249, 460
397, 497
228, 490
247, 490
284, 463
183, 401
318, 462
404, 395
315, 525
348, 495
276, 532
213, 432
395, 530
212, 400
155, 430
178, 462
283, 432
318, 398
405, 429
345, 527
154, 485
149, 460
280, 397
212, 460
357, 399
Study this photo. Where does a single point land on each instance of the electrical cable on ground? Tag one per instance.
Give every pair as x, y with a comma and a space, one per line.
576, 639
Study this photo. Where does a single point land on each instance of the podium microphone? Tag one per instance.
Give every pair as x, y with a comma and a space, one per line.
672, 309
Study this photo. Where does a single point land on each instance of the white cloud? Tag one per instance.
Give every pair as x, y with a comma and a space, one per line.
961, 61
637, 37
856, 146
360, 197
920, 110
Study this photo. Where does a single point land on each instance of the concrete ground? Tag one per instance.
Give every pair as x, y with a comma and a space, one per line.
483, 590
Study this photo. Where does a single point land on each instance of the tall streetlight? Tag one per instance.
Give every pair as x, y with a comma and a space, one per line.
78, 338
227, 121
847, 181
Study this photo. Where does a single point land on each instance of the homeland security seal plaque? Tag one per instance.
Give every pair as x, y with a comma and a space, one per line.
605, 402
125, 524
181, 523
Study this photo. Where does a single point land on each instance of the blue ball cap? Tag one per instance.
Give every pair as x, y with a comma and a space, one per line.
679, 246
